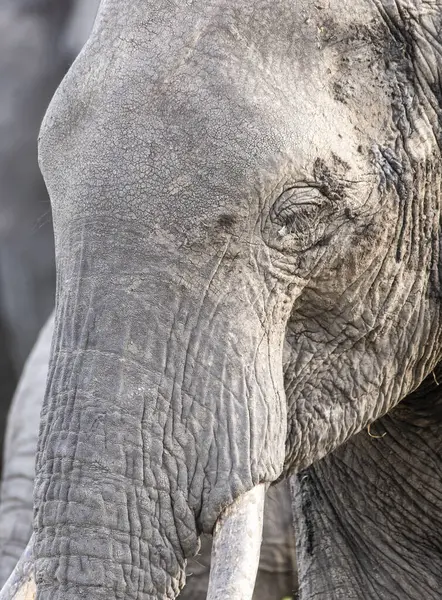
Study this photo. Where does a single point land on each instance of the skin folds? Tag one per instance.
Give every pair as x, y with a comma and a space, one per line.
246, 208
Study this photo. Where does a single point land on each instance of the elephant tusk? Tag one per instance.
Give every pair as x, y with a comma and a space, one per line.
21, 583
235, 554
236, 547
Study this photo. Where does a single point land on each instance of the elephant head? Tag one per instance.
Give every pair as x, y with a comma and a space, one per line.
246, 201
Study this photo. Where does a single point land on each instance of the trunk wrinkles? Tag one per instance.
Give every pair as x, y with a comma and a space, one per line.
156, 419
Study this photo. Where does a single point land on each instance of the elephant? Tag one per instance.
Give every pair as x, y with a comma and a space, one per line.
277, 576
396, 465
247, 215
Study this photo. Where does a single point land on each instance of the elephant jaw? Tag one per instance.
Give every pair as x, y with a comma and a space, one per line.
235, 554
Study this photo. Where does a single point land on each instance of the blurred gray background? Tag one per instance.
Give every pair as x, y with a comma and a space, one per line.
39, 40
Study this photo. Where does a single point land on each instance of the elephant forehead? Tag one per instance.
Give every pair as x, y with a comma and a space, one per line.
191, 114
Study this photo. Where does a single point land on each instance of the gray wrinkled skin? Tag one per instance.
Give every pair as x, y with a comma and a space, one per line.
277, 575
246, 203
375, 504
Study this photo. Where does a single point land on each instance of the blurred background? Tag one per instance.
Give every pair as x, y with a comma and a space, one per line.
39, 40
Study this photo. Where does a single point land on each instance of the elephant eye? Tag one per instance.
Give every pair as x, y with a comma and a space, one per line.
299, 209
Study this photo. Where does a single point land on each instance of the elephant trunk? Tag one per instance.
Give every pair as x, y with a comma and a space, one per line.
163, 407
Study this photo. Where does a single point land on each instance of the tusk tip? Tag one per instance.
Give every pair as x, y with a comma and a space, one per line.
21, 584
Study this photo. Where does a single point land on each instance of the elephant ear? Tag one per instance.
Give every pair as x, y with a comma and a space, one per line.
21, 583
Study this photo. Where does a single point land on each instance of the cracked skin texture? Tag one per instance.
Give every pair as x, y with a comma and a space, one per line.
246, 206
277, 573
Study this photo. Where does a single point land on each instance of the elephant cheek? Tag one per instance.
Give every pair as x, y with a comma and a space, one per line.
163, 407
